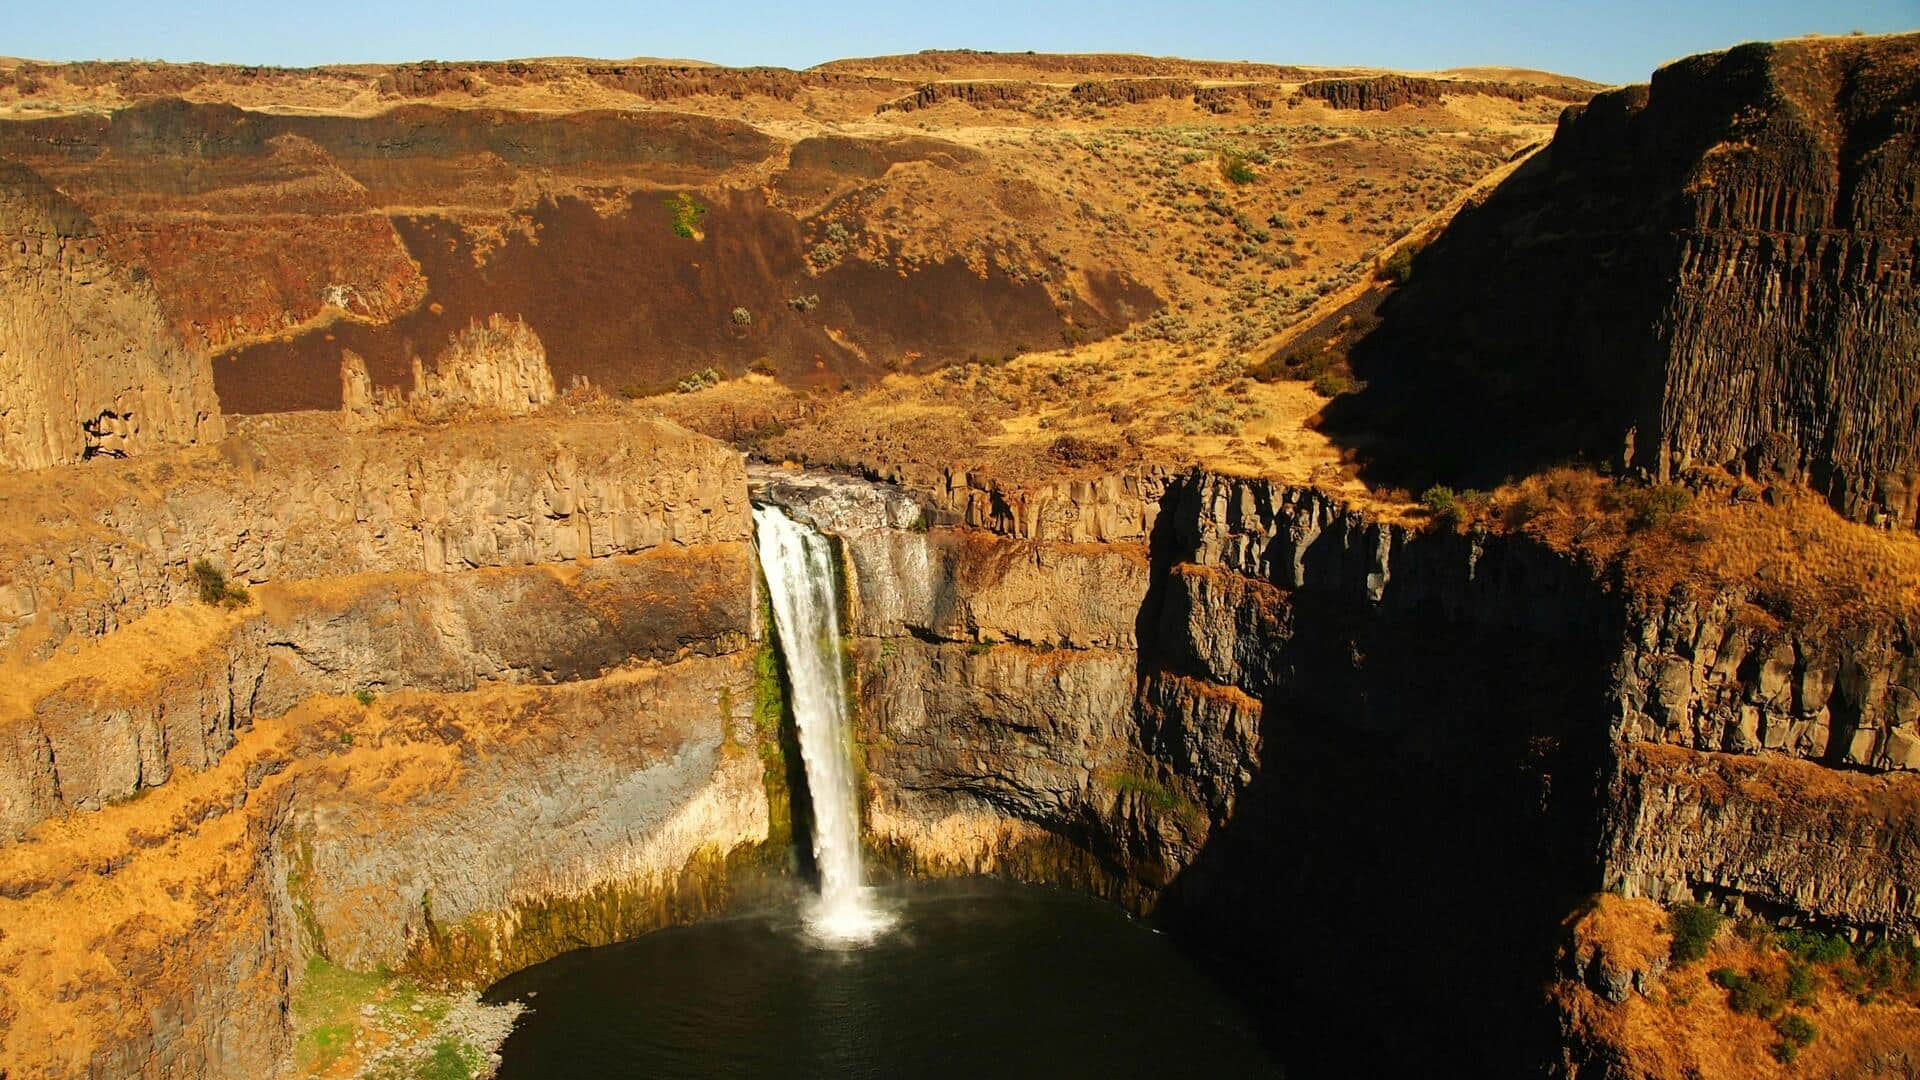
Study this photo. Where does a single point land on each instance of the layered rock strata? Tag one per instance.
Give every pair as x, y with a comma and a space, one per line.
291, 500
88, 365
449, 759
1272, 717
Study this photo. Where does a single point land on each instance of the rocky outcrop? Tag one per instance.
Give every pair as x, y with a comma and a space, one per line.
1779, 838
1718, 675
1377, 94
980, 95
452, 836
1029, 734
1102, 508
650, 82
945, 61
1244, 752
492, 369
1381, 93
617, 787
1112, 92
965, 585
292, 500
1743, 218
1225, 99
88, 366
81, 731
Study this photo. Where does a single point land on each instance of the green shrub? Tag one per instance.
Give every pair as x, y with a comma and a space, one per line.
1802, 983
699, 380
1398, 268
1439, 500
1331, 384
687, 212
212, 585
451, 1059
1796, 1032
1751, 993
1816, 948
1651, 505
364, 697
1158, 795
1889, 965
1693, 927
1235, 170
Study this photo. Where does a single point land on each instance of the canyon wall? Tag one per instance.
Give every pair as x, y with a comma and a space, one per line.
281, 241
88, 365
1283, 724
1718, 269
488, 696
289, 499
1385, 92
1278, 722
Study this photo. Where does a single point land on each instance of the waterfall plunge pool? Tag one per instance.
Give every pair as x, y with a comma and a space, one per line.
977, 978
971, 978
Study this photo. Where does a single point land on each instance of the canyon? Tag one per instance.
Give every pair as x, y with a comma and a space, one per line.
384, 446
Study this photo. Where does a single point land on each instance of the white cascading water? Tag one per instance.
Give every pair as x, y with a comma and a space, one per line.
798, 565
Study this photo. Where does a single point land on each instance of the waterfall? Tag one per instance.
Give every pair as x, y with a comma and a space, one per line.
799, 570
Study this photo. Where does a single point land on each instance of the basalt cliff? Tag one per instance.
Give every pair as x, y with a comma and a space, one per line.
379, 600
1716, 268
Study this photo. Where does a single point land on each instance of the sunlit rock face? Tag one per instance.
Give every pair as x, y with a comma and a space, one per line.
489, 370
88, 366
488, 695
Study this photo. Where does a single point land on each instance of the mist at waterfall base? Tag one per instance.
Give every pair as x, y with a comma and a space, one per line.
978, 978
798, 565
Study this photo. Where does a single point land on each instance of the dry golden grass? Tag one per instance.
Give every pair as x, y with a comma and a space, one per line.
1095, 409
1798, 560
1685, 1026
123, 896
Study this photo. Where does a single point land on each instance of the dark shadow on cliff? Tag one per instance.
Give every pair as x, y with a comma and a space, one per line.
1520, 340
1535, 328
1387, 895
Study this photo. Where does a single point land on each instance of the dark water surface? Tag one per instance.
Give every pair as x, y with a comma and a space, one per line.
978, 979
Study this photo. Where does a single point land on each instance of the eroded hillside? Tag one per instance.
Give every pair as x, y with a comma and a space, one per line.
650, 223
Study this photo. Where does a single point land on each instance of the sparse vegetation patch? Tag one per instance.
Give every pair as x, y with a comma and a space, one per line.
1693, 927
211, 583
687, 213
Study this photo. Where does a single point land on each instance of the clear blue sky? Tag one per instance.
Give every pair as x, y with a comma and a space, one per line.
1609, 40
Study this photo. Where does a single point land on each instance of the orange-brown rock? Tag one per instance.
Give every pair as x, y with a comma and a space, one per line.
292, 500
88, 366
980, 95
492, 369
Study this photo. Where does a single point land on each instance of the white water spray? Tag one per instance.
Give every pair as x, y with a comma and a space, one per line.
798, 565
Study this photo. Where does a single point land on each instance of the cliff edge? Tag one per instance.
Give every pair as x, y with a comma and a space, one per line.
1712, 269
